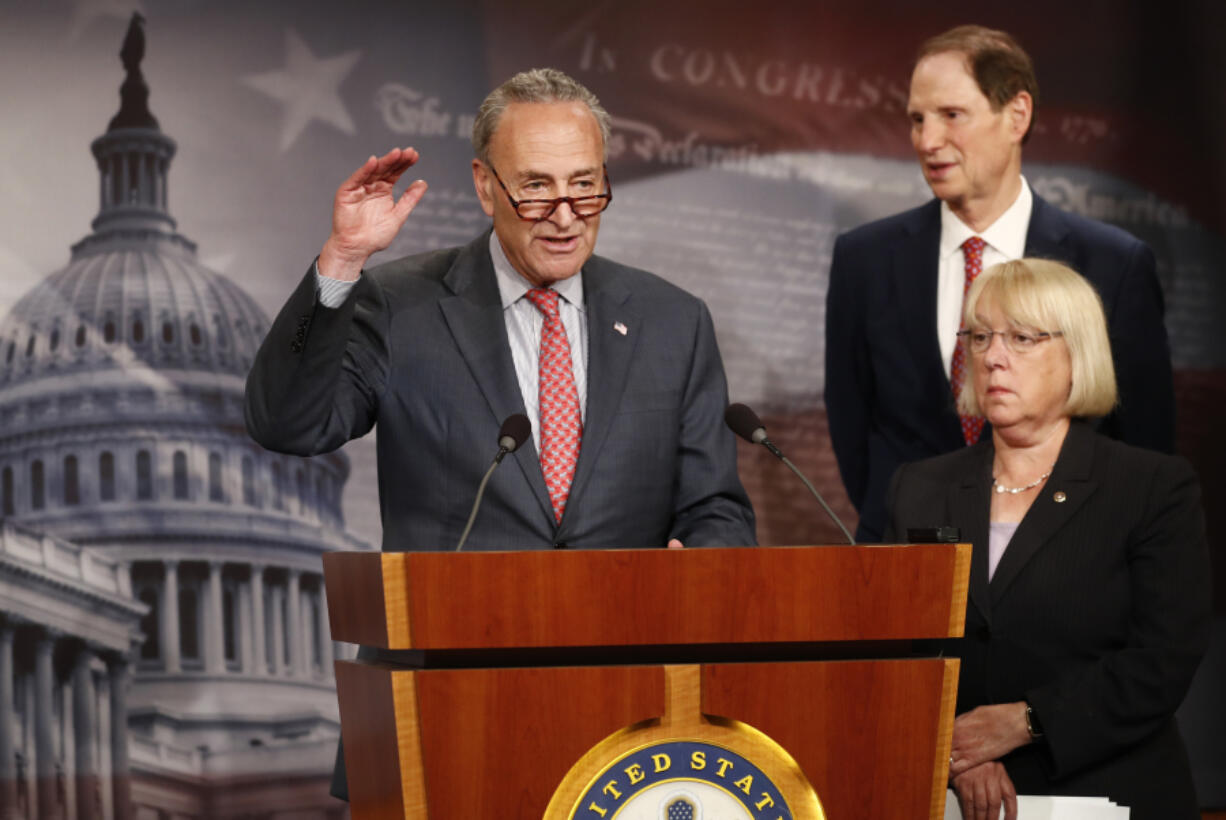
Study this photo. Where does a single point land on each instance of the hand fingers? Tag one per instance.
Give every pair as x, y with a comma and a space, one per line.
409, 199
386, 168
965, 799
675, 544
964, 731
968, 749
979, 800
962, 760
965, 761
966, 807
1010, 796
356, 179
965, 789
974, 792
983, 801
394, 163
994, 797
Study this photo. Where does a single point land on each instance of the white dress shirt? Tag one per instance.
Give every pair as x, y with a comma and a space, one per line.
1004, 239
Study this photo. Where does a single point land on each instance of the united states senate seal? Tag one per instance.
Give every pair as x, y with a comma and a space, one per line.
682, 780
685, 765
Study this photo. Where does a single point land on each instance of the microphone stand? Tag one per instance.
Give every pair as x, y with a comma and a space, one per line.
472, 516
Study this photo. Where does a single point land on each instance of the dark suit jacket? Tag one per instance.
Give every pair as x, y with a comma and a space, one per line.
420, 348
887, 395
1097, 615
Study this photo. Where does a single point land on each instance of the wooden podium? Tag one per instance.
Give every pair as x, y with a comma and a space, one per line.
500, 673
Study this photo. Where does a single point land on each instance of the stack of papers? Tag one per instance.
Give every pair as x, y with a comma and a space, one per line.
1050, 807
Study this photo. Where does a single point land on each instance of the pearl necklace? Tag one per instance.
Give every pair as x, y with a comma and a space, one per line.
1001, 488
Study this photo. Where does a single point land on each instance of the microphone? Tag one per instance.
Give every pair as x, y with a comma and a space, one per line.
513, 433
746, 424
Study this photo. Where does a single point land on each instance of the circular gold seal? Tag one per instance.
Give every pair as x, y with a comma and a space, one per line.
686, 766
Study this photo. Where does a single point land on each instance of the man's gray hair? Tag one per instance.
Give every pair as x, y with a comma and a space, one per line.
538, 85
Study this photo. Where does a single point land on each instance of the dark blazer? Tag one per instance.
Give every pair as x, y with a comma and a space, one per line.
887, 396
420, 349
1097, 615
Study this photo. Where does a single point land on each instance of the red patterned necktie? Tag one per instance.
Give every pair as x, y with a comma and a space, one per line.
972, 252
561, 425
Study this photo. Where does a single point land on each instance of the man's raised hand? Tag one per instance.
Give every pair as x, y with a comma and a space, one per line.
366, 216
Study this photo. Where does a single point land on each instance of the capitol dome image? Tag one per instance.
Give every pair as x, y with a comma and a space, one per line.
164, 644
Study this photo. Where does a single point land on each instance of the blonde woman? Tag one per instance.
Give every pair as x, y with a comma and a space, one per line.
1089, 600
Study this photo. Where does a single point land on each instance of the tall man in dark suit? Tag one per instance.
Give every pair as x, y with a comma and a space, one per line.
896, 285
617, 370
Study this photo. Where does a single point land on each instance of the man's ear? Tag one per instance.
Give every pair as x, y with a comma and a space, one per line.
483, 183
1020, 110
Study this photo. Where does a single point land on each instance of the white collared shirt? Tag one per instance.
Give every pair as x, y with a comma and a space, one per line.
1004, 239
523, 323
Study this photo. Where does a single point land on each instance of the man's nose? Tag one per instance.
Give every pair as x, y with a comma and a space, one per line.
929, 135
563, 215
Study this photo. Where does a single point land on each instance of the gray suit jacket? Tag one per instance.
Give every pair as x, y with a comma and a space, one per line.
420, 349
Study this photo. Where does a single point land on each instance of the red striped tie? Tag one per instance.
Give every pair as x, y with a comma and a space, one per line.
972, 252
561, 425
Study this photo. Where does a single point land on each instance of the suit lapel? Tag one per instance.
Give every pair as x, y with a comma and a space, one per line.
610, 352
971, 502
916, 270
1071, 480
915, 280
1047, 233
474, 316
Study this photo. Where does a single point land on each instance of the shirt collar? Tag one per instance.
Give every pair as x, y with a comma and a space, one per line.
1007, 235
512, 285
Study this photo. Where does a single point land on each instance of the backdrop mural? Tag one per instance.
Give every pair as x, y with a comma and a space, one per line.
163, 647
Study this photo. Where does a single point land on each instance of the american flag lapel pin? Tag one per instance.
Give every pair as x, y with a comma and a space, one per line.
620, 328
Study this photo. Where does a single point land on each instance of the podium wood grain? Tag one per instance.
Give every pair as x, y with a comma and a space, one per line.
829, 716
495, 738
493, 600
479, 742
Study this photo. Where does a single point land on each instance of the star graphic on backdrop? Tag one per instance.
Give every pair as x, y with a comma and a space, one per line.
308, 87
85, 12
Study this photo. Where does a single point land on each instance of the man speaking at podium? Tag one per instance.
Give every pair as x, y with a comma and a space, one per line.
617, 370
